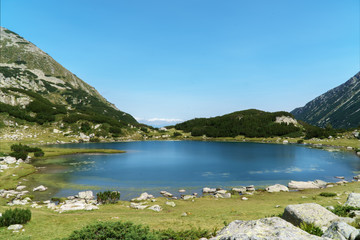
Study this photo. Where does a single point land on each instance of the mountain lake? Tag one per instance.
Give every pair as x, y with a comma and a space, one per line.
153, 166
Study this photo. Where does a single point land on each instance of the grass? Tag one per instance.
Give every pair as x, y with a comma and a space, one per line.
207, 213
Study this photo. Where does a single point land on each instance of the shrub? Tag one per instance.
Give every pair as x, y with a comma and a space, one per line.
23, 155
108, 197
300, 141
177, 134
192, 234
311, 228
344, 211
327, 194
15, 216
114, 230
94, 139
22, 151
39, 154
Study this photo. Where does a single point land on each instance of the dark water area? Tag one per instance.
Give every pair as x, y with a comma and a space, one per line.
172, 165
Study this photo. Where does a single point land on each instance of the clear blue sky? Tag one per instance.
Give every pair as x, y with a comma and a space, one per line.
182, 59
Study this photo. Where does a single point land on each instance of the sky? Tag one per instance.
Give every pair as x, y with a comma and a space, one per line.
168, 61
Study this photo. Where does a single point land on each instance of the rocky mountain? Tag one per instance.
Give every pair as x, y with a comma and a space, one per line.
37, 89
339, 106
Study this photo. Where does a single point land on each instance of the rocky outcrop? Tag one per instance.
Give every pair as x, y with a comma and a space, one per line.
40, 188
267, 229
277, 188
353, 200
300, 185
341, 231
310, 213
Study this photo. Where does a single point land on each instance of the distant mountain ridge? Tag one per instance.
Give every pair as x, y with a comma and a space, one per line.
339, 106
36, 88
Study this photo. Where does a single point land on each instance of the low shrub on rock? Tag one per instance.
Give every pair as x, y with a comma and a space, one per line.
311, 228
108, 197
15, 216
344, 211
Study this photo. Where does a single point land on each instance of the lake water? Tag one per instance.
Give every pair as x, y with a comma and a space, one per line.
170, 165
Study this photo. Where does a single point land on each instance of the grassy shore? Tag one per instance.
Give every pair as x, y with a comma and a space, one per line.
206, 212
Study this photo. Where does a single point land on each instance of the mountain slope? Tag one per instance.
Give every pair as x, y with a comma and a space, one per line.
250, 123
36, 88
339, 106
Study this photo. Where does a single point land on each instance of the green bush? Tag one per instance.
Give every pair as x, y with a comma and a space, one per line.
192, 234
327, 194
114, 230
15, 216
22, 151
94, 139
23, 155
39, 154
108, 197
177, 134
311, 228
344, 211
130, 231
300, 141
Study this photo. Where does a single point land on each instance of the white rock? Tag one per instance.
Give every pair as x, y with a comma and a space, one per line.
302, 185
309, 213
353, 200
341, 231
9, 160
209, 190
182, 190
277, 188
166, 194
4, 167
244, 198
20, 188
138, 206
172, 204
144, 196
40, 188
86, 195
155, 208
187, 197
15, 227
239, 189
263, 229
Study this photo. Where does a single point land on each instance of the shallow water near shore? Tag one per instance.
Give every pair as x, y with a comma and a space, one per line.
172, 165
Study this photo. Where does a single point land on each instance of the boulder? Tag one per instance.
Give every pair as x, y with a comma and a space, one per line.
239, 189
40, 188
9, 160
15, 227
172, 204
155, 208
353, 200
88, 195
73, 205
4, 166
182, 190
309, 213
144, 196
273, 228
188, 197
166, 194
341, 231
209, 190
250, 188
277, 188
220, 191
138, 206
20, 188
302, 185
